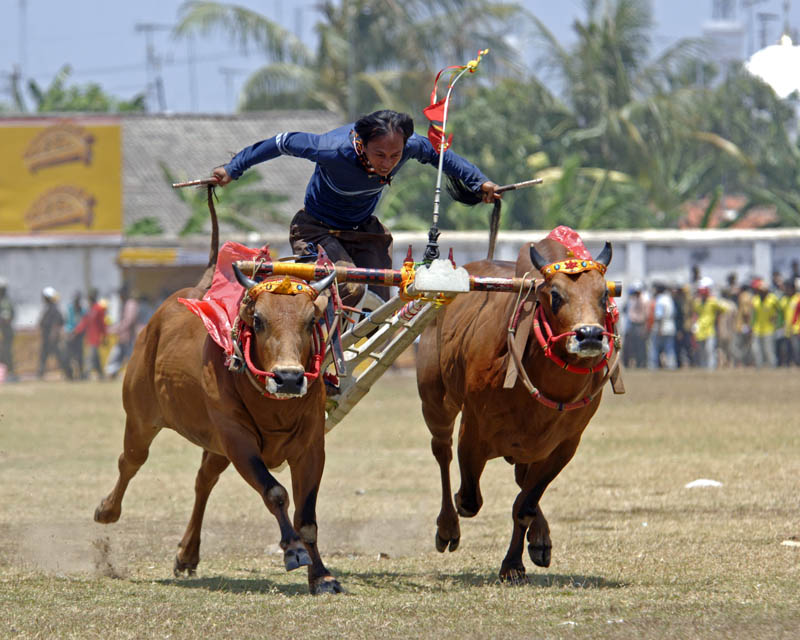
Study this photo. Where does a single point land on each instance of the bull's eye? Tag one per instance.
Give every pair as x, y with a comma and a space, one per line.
556, 300
604, 300
259, 323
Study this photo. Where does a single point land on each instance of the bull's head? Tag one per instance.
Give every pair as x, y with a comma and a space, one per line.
283, 327
574, 297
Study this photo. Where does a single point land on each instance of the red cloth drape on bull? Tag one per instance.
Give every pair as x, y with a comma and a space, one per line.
435, 112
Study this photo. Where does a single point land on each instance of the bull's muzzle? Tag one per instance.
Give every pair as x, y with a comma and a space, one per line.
287, 382
589, 341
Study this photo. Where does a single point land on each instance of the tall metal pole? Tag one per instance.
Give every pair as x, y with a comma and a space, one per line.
192, 75
350, 9
155, 83
23, 38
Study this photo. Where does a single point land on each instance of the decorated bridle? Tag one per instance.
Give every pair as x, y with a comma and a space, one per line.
544, 333
242, 333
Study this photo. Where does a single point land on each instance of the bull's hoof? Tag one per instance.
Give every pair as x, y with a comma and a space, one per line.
513, 576
190, 568
540, 554
326, 584
296, 558
104, 515
468, 508
442, 544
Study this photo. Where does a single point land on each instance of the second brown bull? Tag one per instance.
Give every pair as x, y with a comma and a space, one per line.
463, 365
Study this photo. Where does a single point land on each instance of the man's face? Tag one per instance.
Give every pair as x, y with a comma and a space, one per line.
385, 152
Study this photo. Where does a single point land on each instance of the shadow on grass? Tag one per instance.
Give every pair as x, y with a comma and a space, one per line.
398, 581
393, 581
238, 585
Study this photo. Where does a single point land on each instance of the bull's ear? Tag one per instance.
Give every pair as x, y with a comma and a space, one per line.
246, 312
605, 255
538, 260
321, 303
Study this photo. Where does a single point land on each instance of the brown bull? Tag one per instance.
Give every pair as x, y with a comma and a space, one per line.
177, 379
462, 365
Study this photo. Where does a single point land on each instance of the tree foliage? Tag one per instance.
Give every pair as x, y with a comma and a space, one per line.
65, 97
623, 137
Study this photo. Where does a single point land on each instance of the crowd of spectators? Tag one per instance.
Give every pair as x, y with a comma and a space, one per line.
75, 338
752, 323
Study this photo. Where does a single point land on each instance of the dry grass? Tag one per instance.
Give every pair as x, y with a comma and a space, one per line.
635, 553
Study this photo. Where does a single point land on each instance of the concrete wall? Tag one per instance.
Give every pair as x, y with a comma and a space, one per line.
31, 264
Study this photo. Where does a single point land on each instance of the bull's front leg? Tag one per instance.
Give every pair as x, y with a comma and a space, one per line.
306, 478
243, 451
533, 479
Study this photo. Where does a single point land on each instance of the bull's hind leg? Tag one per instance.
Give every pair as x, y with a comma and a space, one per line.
448, 531
471, 463
440, 420
188, 555
136, 447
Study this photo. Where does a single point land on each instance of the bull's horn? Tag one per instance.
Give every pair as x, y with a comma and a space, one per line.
538, 260
246, 282
605, 255
323, 284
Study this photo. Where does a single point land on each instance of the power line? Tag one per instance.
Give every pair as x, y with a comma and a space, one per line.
111, 70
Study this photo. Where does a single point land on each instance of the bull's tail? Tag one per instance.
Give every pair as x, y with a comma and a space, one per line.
460, 192
208, 274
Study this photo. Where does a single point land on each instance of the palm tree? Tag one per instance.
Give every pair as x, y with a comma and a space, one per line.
641, 118
371, 53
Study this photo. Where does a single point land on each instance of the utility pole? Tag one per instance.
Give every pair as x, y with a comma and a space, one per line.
351, 9
786, 26
155, 83
751, 25
229, 73
763, 21
23, 37
192, 75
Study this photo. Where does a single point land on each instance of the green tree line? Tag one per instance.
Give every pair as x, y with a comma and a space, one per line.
629, 138
624, 136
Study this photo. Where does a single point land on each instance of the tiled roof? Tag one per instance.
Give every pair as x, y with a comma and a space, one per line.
755, 218
191, 145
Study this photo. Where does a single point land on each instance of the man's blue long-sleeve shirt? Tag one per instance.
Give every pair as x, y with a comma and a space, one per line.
340, 193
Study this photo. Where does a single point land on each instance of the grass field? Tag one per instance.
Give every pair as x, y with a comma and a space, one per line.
635, 554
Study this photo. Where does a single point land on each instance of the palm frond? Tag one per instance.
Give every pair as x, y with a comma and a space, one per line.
245, 26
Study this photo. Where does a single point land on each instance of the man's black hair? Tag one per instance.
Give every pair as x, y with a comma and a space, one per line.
383, 123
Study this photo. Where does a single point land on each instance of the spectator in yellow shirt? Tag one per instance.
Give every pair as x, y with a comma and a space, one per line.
792, 318
765, 321
707, 308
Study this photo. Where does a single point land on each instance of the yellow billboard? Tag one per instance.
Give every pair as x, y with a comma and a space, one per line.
61, 175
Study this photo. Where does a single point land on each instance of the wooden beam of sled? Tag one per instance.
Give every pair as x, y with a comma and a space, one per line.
384, 277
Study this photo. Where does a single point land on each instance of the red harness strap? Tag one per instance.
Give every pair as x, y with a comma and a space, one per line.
539, 320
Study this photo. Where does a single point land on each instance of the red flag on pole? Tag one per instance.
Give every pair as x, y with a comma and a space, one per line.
436, 112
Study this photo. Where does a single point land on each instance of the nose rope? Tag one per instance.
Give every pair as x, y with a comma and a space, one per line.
540, 321
259, 377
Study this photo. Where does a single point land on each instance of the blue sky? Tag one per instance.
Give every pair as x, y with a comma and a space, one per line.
98, 38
